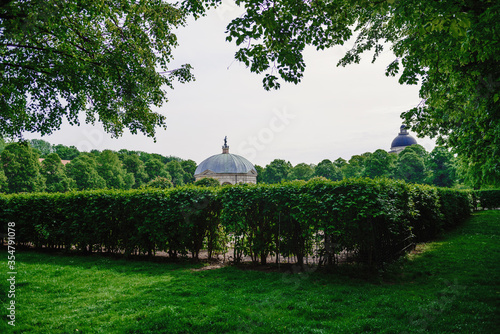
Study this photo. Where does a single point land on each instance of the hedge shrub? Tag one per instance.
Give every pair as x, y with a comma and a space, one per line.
377, 220
489, 199
176, 220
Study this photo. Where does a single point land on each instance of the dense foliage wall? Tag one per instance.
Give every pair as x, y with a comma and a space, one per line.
488, 199
177, 221
377, 220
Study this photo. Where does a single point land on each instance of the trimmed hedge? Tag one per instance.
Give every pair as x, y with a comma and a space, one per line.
177, 221
489, 199
377, 220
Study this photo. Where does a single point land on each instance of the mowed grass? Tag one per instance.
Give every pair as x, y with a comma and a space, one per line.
447, 286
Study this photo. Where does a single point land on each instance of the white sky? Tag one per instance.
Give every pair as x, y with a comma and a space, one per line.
335, 111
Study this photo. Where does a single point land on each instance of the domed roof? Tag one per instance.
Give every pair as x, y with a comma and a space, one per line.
403, 139
225, 163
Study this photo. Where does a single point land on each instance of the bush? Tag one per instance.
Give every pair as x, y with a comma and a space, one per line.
207, 182
377, 220
489, 199
145, 221
160, 183
455, 206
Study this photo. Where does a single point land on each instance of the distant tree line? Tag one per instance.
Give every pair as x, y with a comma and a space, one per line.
414, 164
22, 171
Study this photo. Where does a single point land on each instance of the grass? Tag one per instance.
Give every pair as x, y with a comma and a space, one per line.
447, 286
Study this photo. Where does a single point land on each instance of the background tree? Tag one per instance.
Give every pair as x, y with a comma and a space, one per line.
379, 164
419, 150
3, 143
355, 166
189, 167
260, 173
441, 163
340, 162
175, 170
301, 171
65, 152
83, 170
3, 182
55, 175
111, 170
144, 156
42, 147
62, 57
160, 182
329, 170
410, 167
277, 171
136, 167
22, 168
154, 167
122, 153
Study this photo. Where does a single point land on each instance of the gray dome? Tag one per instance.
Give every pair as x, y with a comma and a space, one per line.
225, 163
403, 139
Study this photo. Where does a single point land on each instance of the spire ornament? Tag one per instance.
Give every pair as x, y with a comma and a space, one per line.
225, 148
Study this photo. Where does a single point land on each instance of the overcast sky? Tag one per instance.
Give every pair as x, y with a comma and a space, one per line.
335, 111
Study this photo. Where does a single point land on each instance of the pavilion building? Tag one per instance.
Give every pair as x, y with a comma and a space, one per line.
227, 168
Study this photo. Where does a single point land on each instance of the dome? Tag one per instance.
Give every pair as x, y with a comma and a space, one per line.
227, 168
403, 139
225, 163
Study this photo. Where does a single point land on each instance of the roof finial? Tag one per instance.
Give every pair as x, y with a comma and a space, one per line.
402, 130
225, 148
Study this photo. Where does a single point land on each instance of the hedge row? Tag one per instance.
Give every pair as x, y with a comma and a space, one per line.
376, 219
488, 199
176, 221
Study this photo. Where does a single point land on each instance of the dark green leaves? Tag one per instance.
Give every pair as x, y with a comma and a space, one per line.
60, 59
275, 34
450, 48
376, 219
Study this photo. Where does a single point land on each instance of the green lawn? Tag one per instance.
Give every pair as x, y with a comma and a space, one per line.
447, 286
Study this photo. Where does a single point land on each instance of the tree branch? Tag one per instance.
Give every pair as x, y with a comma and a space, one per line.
53, 50
27, 67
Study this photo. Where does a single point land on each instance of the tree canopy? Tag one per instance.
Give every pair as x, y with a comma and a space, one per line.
410, 167
328, 169
55, 176
450, 47
442, 164
83, 170
107, 59
276, 171
21, 168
